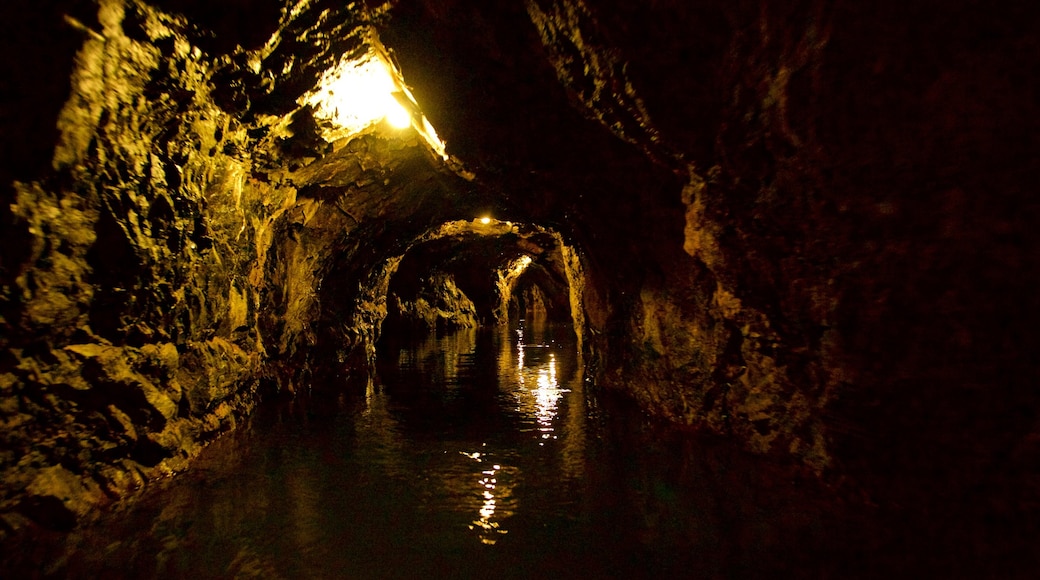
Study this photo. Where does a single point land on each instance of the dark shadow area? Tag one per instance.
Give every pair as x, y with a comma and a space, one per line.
222, 25
35, 85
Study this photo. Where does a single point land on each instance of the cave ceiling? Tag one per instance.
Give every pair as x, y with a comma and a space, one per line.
788, 223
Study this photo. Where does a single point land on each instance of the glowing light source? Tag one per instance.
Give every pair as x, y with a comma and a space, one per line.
358, 94
398, 116
362, 92
485, 220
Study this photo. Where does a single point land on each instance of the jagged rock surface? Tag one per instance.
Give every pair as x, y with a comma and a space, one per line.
808, 226
440, 305
171, 259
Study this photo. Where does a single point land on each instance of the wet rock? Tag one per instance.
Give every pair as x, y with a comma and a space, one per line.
440, 305
111, 368
211, 372
804, 226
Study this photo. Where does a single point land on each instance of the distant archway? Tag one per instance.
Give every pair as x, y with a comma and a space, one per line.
486, 261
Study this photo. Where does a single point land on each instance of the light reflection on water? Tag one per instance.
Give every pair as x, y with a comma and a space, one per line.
541, 400
474, 455
529, 378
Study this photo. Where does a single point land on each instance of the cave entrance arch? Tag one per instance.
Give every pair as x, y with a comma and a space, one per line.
478, 272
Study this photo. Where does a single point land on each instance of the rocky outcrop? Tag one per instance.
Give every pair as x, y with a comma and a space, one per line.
130, 333
440, 305
806, 226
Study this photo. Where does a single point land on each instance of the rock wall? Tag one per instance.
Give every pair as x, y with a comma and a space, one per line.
440, 305
165, 269
806, 225
130, 315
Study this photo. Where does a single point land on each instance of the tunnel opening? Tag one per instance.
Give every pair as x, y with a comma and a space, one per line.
480, 273
468, 280
792, 240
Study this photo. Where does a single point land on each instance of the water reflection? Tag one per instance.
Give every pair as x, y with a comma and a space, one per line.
542, 401
483, 394
486, 525
472, 455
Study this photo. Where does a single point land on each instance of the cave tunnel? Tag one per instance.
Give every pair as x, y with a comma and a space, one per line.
465, 280
748, 287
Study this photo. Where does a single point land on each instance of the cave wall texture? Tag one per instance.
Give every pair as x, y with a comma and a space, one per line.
825, 247
467, 274
808, 226
169, 259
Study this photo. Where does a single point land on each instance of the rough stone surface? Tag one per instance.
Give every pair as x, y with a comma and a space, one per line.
808, 226
169, 257
805, 225
440, 305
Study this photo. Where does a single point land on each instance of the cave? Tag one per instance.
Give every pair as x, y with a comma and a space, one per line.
800, 234
444, 283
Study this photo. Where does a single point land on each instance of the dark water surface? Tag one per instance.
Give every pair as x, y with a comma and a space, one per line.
480, 454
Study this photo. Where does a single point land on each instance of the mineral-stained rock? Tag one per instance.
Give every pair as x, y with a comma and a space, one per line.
138, 270
439, 305
57, 497
807, 226
111, 368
